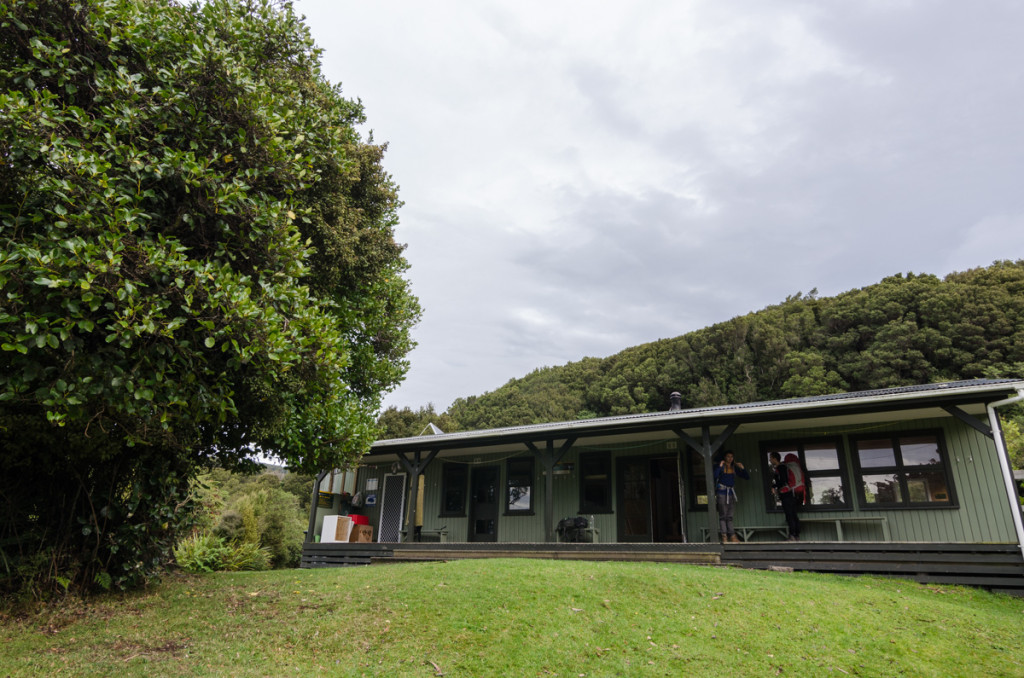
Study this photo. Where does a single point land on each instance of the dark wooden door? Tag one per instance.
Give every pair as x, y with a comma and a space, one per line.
666, 509
484, 496
634, 490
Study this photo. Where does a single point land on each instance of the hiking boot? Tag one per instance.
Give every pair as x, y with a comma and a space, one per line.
734, 539
725, 538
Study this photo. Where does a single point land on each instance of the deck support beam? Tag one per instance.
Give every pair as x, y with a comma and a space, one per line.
975, 423
707, 450
549, 457
415, 469
314, 507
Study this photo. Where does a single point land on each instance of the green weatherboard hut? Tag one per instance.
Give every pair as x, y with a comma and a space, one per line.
911, 481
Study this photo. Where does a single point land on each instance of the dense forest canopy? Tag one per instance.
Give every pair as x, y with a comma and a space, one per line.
906, 329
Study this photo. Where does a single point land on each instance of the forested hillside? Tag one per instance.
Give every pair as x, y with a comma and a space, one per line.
906, 329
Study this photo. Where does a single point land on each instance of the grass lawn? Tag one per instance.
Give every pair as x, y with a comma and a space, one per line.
523, 618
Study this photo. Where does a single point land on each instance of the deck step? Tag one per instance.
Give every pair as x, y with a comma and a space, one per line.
694, 557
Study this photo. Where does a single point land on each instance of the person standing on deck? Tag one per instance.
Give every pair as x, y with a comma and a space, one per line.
790, 488
725, 494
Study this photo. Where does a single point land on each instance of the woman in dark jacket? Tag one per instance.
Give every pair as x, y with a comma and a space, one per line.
725, 494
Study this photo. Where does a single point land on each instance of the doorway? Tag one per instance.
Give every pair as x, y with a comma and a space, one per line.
392, 508
483, 503
649, 500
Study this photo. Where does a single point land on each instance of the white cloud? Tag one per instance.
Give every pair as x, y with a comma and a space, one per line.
582, 177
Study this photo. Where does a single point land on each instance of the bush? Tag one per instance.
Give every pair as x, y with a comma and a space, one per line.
268, 516
206, 552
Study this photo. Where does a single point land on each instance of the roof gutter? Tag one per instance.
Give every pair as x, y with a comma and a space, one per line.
686, 418
1004, 463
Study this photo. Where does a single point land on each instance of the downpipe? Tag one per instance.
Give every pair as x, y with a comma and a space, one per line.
1004, 463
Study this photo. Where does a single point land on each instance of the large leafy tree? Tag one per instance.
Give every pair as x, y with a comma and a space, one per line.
197, 261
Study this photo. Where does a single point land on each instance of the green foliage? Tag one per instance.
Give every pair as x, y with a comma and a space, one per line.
1014, 437
197, 259
205, 552
406, 423
257, 509
268, 517
904, 330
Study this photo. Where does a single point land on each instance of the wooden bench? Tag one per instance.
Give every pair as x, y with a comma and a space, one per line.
747, 531
839, 520
440, 535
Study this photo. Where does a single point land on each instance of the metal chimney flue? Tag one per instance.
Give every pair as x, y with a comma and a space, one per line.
675, 400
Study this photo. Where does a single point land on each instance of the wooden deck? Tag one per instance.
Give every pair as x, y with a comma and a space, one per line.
997, 567
342, 555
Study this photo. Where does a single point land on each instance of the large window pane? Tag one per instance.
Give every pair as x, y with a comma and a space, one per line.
824, 469
595, 482
453, 490
904, 470
920, 451
882, 489
827, 491
821, 457
927, 486
518, 497
520, 485
876, 453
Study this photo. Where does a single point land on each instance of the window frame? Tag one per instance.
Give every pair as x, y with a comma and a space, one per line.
531, 475
902, 470
603, 457
799, 446
447, 470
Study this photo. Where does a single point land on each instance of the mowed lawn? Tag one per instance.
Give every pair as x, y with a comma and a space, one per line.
524, 618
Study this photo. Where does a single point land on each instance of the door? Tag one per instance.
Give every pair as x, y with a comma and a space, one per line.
666, 507
392, 508
634, 499
483, 503
649, 500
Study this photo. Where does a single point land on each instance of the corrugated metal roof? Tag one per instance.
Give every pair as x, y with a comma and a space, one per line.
967, 389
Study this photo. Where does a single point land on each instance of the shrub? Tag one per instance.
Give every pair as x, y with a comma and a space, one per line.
206, 552
268, 516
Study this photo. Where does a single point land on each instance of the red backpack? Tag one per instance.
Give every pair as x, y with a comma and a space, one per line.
795, 482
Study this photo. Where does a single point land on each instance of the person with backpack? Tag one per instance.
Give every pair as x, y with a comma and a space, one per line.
725, 494
791, 489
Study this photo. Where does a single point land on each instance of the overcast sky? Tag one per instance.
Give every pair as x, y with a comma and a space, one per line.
581, 177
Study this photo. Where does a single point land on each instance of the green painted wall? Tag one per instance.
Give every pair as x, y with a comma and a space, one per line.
982, 515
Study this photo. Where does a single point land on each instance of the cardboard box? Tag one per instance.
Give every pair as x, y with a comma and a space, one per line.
361, 533
336, 528
343, 529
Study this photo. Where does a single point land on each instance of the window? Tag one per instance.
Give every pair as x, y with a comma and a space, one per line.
822, 460
339, 481
596, 482
519, 498
698, 481
453, 490
903, 470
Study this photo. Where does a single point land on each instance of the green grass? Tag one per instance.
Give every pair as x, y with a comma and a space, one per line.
523, 618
